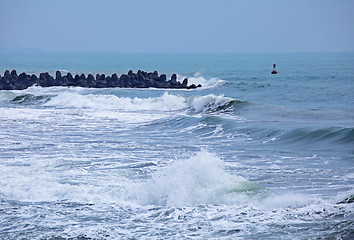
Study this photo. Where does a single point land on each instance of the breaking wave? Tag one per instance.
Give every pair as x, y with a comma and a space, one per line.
31, 98
165, 103
200, 179
206, 83
212, 103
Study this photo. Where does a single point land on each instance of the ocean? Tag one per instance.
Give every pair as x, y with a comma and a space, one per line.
249, 155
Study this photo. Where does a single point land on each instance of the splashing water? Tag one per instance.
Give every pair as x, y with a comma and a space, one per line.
200, 179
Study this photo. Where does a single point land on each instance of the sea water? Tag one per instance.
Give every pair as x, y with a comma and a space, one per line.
250, 155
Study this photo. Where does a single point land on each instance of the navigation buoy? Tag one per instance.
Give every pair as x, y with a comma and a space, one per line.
274, 70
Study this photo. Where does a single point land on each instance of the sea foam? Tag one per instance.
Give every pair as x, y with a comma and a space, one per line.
166, 102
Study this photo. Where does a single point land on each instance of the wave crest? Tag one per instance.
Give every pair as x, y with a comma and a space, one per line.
201, 179
210, 103
332, 134
31, 98
165, 103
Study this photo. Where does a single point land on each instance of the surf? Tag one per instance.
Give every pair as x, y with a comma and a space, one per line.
167, 102
199, 179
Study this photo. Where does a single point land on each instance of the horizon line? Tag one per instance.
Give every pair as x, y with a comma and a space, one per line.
37, 50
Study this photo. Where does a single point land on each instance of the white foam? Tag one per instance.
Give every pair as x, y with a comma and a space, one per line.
167, 102
206, 83
79, 102
284, 200
22, 114
6, 95
200, 179
37, 182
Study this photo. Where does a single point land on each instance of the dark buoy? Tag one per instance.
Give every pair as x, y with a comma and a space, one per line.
274, 69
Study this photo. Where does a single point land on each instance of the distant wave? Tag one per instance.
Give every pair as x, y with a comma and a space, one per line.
308, 136
212, 103
31, 98
165, 103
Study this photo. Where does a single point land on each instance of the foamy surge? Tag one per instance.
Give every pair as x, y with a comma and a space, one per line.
38, 182
166, 102
200, 179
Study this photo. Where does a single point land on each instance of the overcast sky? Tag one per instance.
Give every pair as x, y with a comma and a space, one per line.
178, 26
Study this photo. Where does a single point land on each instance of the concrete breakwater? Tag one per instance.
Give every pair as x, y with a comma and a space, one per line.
141, 79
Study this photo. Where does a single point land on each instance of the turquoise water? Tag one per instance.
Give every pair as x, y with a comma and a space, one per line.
249, 155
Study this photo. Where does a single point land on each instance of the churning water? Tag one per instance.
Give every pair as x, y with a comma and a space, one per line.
249, 155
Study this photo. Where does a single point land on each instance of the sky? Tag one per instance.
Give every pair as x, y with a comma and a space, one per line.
178, 25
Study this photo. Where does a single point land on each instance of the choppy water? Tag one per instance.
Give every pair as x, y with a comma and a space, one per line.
249, 156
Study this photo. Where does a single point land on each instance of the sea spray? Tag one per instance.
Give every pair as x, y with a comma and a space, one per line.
200, 179
206, 83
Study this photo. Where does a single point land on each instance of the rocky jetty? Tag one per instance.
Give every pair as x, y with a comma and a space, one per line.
13, 81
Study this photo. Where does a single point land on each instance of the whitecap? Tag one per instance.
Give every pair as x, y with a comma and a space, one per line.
204, 82
200, 179
166, 102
